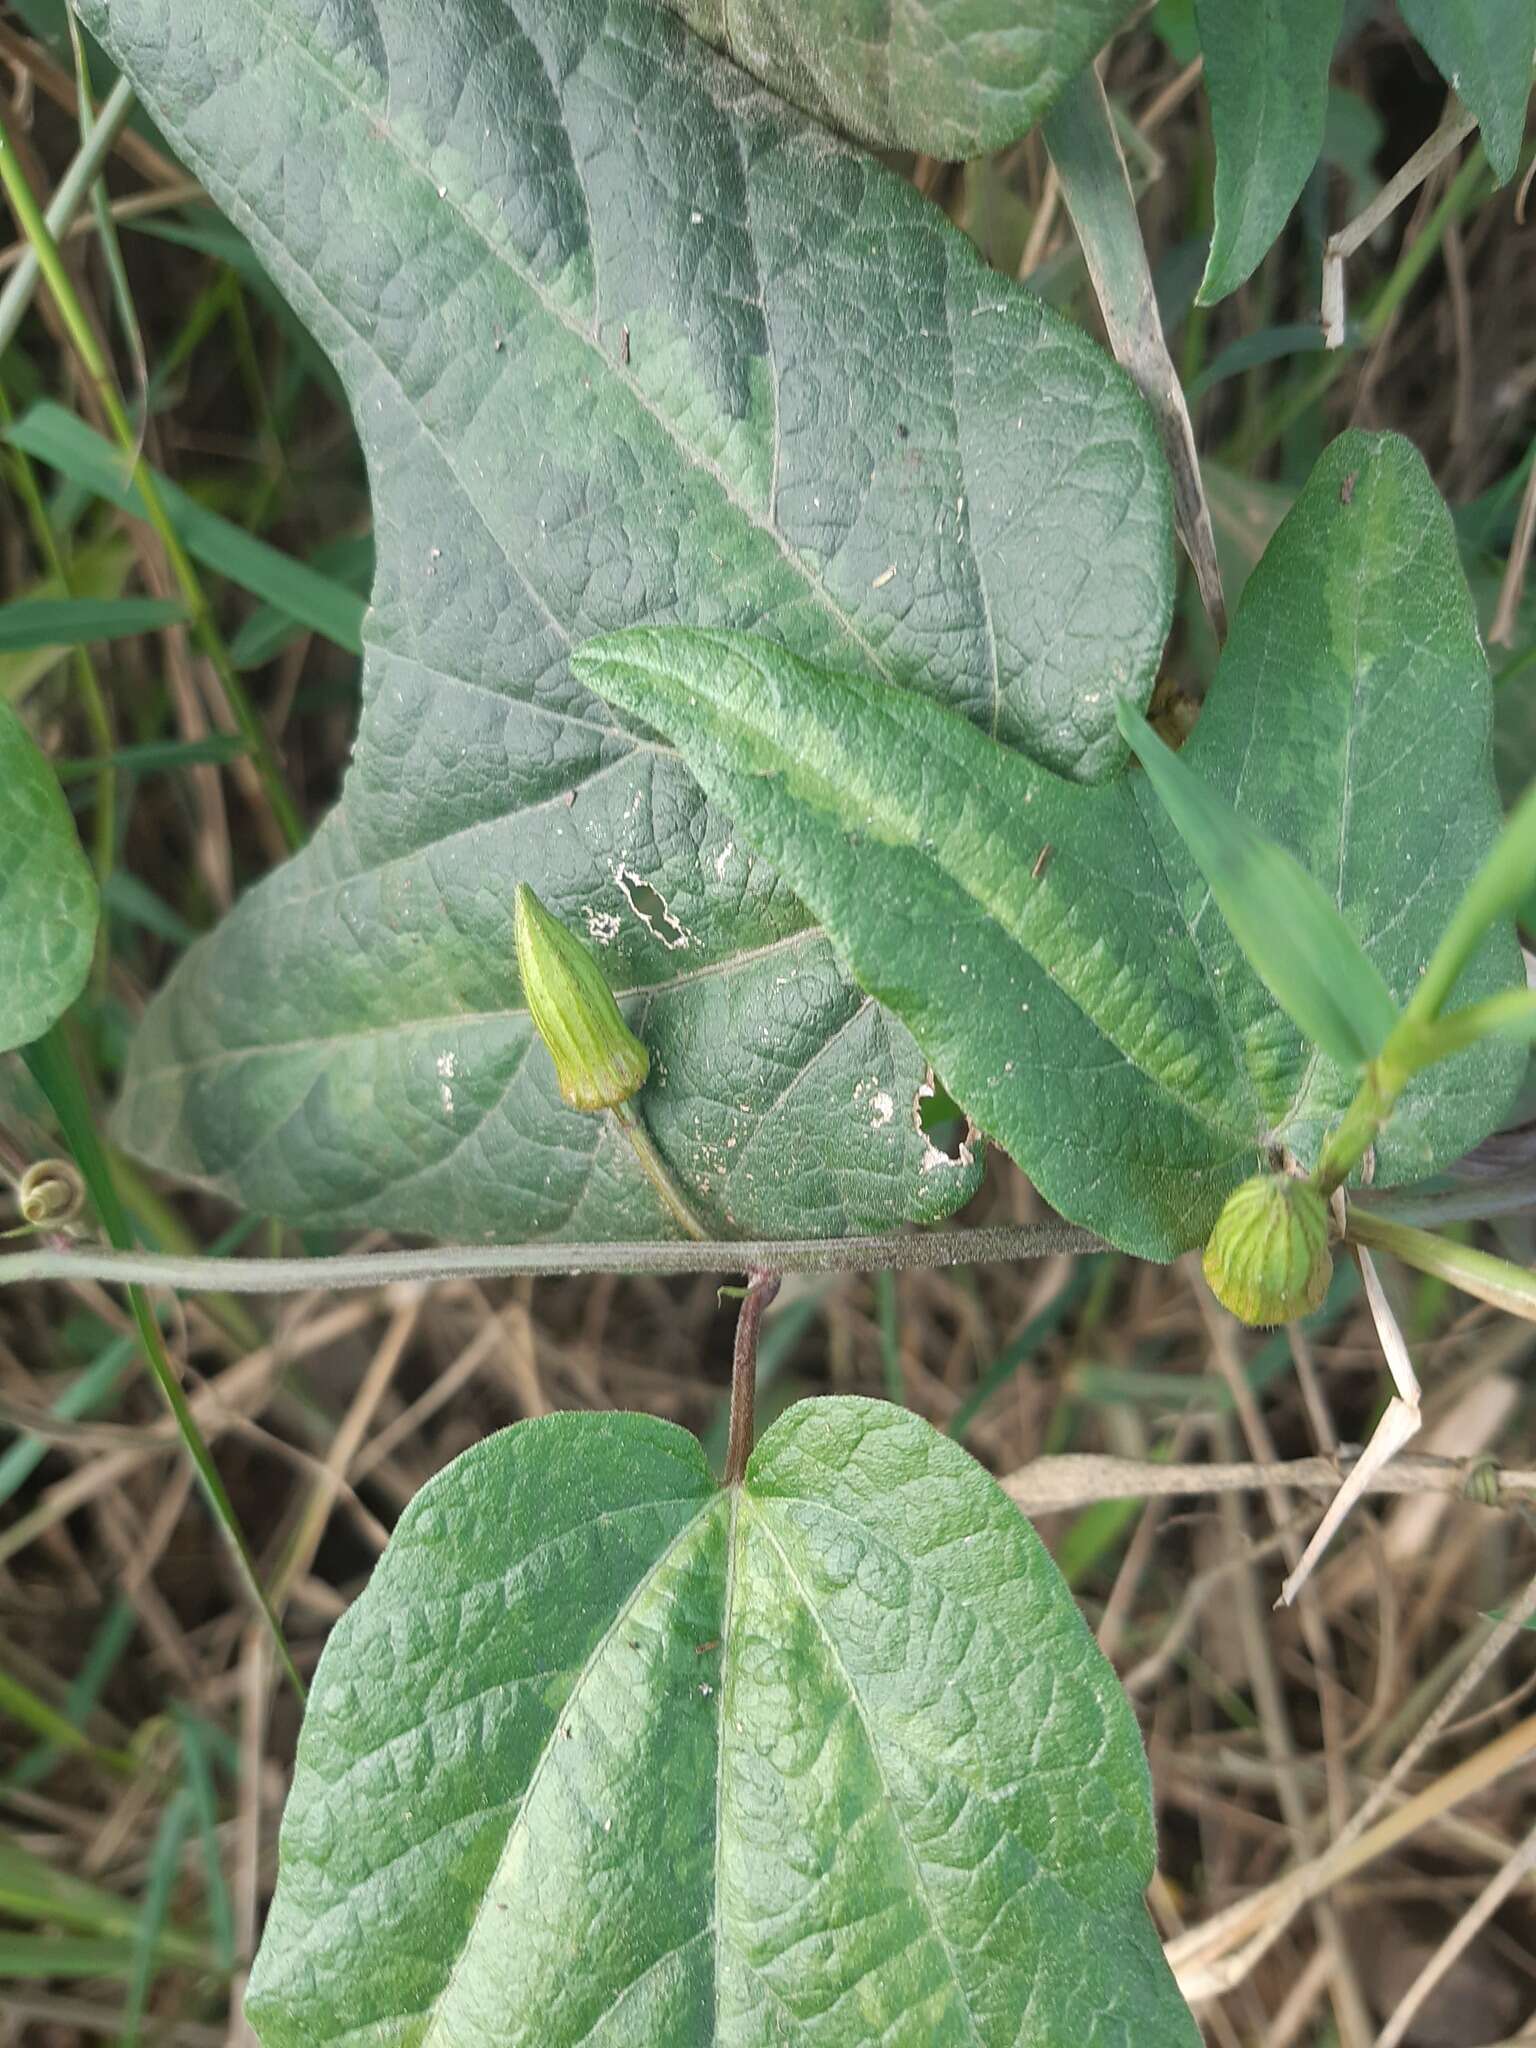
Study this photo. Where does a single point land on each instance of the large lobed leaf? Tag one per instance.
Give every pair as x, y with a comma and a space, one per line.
1055, 949
607, 1756
954, 78
626, 341
48, 902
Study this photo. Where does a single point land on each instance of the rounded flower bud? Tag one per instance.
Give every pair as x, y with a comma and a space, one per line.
1268, 1259
599, 1062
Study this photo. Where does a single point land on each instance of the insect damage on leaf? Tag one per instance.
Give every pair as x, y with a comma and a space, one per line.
818, 370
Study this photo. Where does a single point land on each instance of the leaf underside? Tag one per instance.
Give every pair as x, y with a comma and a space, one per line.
1055, 950
48, 903
1483, 49
626, 341
953, 78
607, 1756
1266, 74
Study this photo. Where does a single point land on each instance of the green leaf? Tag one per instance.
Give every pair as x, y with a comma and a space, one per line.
954, 78
87, 458
1483, 50
1292, 934
769, 1761
1266, 71
1056, 951
48, 902
615, 358
38, 622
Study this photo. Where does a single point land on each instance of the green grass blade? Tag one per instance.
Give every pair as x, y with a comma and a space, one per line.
20, 1703
55, 1074
98, 570
268, 631
125, 896
1507, 1016
43, 1957
204, 1796
888, 1320
1017, 1354
33, 623
1497, 890
32, 1890
154, 1912
83, 1396
101, 1659
156, 756
49, 434
1291, 932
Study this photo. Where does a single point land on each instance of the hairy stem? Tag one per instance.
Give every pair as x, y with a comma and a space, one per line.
893, 1253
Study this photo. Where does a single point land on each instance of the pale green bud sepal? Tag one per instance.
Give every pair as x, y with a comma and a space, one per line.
1268, 1259
599, 1062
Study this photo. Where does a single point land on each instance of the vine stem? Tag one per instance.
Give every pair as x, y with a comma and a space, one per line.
893, 1253
761, 1289
54, 1071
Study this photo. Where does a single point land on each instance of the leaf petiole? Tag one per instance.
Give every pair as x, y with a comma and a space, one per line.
1498, 1281
628, 1119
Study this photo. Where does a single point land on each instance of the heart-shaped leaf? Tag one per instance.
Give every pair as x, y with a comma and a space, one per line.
1056, 951
606, 1755
48, 902
954, 78
626, 341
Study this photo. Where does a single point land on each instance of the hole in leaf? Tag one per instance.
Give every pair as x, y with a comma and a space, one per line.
650, 906
940, 1119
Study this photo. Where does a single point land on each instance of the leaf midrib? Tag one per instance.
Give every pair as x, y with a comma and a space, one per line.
992, 902
381, 128
857, 1704
433, 2037
733, 1535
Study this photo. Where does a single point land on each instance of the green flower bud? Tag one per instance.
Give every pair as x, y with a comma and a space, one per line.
599, 1062
1268, 1259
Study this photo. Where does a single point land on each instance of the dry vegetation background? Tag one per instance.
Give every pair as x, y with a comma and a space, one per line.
144, 1740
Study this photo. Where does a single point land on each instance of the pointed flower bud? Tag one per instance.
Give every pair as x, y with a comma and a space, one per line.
599, 1062
1268, 1259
